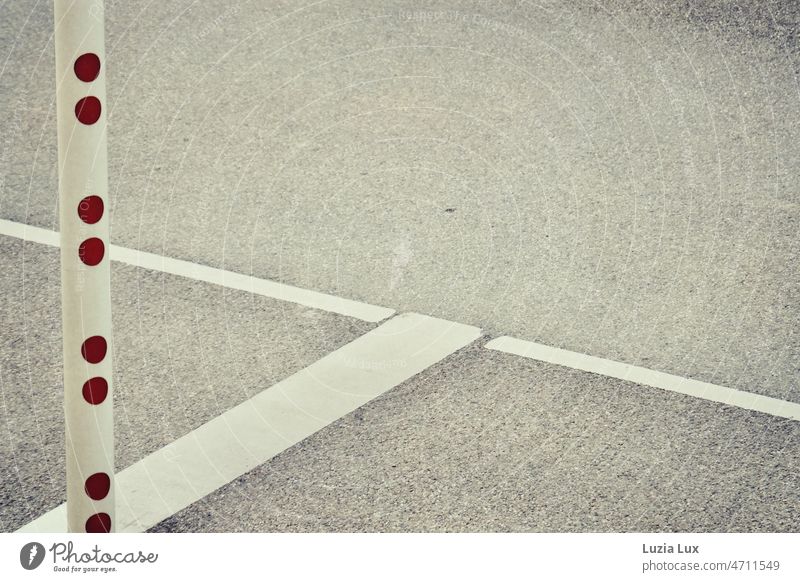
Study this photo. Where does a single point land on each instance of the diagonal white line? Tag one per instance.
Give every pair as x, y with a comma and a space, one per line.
251, 433
371, 313
705, 390
256, 430
265, 287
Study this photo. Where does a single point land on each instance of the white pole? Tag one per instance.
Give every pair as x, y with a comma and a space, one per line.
85, 270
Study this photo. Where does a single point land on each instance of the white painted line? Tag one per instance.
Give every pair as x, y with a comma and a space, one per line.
31, 233
251, 433
705, 390
265, 287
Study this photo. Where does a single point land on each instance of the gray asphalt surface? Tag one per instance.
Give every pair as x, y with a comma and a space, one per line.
611, 178
449, 451
184, 353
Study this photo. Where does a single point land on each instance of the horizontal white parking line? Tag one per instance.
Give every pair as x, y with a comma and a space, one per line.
251, 433
31, 233
647, 377
265, 287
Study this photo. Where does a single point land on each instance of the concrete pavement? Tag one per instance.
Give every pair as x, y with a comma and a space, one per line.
453, 450
614, 179
184, 353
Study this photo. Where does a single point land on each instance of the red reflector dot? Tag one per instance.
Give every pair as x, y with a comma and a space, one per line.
91, 251
90, 209
95, 390
87, 110
99, 523
87, 67
94, 349
98, 486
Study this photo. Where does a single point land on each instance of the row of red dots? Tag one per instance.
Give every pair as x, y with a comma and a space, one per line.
91, 252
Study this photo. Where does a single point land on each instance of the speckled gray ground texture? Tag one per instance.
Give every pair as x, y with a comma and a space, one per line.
184, 352
616, 178
449, 450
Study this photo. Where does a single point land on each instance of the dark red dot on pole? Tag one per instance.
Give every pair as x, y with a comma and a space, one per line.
90, 209
99, 523
87, 67
95, 390
91, 251
98, 485
94, 349
87, 110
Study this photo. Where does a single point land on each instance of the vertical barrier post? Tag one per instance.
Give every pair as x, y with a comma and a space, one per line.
85, 266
